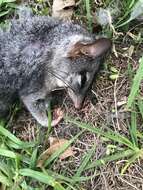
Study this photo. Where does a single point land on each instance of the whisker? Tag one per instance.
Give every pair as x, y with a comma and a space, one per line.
60, 78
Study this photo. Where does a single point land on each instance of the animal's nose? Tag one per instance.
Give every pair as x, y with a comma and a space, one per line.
78, 103
76, 98
77, 106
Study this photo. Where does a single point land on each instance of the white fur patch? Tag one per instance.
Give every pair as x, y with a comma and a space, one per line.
60, 83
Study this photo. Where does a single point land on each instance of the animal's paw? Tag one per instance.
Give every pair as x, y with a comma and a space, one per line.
58, 116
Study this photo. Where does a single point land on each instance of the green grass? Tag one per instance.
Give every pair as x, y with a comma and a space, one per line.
129, 147
136, 84
88, 14
6, 7
131, 10
18, 159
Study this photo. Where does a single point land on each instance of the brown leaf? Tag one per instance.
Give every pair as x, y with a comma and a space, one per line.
63, 8
55, 144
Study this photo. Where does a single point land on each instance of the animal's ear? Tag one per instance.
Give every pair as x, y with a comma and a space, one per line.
95, 49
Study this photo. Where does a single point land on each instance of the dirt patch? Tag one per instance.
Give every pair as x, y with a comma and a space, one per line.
103, 107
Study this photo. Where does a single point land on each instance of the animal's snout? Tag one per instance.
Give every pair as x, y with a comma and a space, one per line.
77, 99
78, 103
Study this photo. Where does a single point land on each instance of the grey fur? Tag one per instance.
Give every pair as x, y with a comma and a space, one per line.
34, 61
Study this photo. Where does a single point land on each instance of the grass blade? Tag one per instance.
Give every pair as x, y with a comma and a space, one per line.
58, 186
8, 1
33, 159
8, 153
8, 134
133, 128
59, 176
4, 180
69, 179
84, 163
3, 13
41, 177
6, 170
13, 138
136, 83
131, 160
88, 14
140, 106
117, 156
139, 134
110, 135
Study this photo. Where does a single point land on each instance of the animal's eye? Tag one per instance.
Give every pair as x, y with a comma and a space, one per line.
83, 79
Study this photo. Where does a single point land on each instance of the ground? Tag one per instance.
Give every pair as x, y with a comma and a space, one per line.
104, 108
99, 109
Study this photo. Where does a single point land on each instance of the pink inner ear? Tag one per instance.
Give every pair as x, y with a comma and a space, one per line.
76, 50
98, 48
95, 49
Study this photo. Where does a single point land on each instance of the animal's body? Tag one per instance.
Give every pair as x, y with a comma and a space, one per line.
39, 54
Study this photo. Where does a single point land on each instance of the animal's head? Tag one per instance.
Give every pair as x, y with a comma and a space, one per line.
77, 66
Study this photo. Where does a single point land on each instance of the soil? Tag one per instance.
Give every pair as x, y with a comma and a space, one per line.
103, 107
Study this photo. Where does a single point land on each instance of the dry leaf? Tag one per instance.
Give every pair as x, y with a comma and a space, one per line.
63, 8
58, 116
131, 50
55, 144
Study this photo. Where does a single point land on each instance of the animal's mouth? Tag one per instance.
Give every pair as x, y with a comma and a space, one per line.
77, 99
